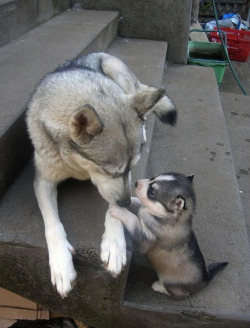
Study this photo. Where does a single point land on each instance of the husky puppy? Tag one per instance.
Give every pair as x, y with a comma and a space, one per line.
86, 121
162, 228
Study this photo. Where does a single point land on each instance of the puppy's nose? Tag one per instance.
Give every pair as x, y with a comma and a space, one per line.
124, 202
138, 184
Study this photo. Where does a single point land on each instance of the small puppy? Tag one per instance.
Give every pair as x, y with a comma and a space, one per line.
160, 222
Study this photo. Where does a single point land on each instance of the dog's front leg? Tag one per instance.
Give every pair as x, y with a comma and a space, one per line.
113, 246
60, 251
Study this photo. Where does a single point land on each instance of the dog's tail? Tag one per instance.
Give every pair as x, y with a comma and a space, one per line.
214, 268
166, 111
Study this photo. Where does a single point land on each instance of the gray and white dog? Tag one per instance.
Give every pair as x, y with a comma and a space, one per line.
86, 121
160, 222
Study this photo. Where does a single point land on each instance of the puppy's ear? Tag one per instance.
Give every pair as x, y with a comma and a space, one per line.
178, 204
190, 177
84, 124
145, 100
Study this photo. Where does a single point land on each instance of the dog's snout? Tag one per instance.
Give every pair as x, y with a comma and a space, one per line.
124, 202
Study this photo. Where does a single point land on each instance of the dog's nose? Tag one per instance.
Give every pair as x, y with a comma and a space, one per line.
124, 202
136, 184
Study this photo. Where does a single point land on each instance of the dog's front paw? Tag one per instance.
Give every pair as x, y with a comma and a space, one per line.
113, 254
62, 270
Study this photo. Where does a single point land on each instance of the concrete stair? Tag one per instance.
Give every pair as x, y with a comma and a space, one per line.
199, 144
27, 59
18, 17
237, 114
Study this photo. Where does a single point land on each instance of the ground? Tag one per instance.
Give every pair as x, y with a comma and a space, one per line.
53, 323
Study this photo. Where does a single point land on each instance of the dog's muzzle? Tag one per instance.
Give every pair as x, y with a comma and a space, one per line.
124, 202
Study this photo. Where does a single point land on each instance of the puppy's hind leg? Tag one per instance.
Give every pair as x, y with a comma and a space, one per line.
60, 251
159, 288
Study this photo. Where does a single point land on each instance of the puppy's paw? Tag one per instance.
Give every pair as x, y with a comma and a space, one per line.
159, 288
113, 254
62, 270
117, 211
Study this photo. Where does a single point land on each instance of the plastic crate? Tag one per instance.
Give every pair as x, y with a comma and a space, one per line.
238, 43
208, 54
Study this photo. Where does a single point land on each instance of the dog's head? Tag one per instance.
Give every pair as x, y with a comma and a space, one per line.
110, 139
168, 195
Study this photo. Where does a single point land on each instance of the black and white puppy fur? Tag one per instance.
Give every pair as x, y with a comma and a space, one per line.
160, 222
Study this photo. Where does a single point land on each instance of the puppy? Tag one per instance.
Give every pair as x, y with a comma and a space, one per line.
161, 225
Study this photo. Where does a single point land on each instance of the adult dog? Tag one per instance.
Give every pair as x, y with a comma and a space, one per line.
86, 121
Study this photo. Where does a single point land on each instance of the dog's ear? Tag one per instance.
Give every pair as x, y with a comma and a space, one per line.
84, 124
190, 177
178, 204
146, 100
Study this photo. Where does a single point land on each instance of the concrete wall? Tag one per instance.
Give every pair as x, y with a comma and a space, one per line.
152, 19
19, 16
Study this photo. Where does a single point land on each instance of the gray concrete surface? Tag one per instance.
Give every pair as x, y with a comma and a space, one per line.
19, 16
167, 20
96, 297
41, 50
237, 114
23, 63
200, 145
229, 83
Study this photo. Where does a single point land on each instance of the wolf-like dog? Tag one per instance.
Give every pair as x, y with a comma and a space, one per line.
86, 121
161, 225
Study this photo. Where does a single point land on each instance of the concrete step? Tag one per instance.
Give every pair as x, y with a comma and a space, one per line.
24, 61
18, 17
96, 298
237, 114
200, 145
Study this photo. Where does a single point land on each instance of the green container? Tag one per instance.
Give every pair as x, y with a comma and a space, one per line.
208, 54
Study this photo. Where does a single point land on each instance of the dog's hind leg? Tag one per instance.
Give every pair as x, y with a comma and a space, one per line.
113, 246
60, 251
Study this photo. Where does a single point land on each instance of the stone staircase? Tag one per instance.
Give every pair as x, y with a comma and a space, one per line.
199, 144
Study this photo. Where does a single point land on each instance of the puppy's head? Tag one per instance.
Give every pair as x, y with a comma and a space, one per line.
169, 195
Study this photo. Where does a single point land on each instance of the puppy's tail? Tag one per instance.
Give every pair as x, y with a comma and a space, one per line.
166, 111
214, 268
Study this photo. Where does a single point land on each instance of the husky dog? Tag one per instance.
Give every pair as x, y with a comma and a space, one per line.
86, 121
162, 227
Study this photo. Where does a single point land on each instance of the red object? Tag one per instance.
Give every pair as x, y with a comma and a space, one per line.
238, 43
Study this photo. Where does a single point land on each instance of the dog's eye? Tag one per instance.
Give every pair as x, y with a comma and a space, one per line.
151, 193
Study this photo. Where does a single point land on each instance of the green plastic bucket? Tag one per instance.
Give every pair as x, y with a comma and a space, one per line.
208, 54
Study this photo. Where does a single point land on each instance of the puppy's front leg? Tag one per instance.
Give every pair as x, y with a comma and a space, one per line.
60, 251
130, 220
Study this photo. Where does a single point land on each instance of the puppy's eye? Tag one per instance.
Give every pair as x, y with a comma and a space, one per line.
151, 193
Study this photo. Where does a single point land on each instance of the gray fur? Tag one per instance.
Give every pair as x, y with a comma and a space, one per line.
162, 228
